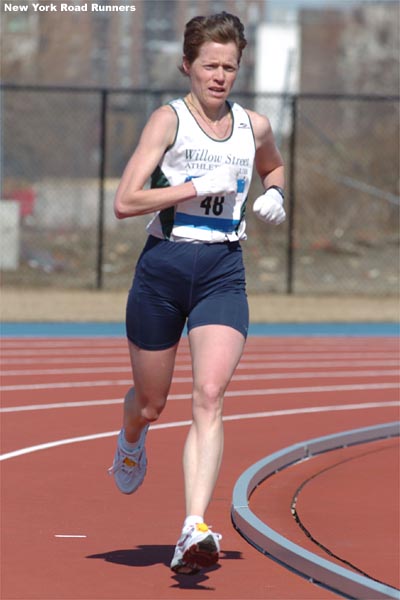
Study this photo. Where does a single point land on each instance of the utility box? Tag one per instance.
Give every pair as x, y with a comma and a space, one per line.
9, 235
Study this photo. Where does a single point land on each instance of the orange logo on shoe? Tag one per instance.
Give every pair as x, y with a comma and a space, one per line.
201, 527
129, 462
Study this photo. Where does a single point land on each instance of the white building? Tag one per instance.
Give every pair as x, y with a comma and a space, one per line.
277, 71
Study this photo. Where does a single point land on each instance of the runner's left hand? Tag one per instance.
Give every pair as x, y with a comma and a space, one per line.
269, 207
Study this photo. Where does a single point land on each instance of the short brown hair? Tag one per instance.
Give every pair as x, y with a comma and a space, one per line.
221, 28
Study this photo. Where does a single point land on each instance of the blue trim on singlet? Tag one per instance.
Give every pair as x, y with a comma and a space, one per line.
214, 223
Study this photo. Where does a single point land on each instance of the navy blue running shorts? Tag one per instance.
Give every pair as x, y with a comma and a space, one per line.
175, 282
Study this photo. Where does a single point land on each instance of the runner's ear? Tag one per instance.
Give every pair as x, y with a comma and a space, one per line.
185, 65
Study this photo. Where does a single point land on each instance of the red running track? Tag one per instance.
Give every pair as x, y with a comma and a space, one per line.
55, 392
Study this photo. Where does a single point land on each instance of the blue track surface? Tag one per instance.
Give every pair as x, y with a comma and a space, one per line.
256, 329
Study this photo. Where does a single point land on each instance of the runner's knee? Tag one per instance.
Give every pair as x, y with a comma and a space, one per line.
148, 407
208, 396
151, 413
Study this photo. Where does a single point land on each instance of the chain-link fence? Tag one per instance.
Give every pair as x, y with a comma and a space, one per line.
65, 149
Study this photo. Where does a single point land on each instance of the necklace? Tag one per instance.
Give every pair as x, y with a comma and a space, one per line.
209, 122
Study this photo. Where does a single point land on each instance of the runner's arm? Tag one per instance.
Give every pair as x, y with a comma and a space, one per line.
268, 160
131, 199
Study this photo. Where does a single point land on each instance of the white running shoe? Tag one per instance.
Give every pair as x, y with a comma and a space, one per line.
197, 547
129, 468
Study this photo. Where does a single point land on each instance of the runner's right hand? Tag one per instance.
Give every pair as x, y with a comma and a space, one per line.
222, 180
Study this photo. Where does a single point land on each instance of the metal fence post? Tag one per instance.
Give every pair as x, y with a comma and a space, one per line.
292, 197
102, 174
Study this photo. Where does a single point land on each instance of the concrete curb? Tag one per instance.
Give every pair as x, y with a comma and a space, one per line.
268, 541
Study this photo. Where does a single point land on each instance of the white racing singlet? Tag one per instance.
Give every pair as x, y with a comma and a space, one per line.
193, 154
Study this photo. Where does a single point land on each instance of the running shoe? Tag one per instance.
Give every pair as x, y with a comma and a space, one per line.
198, 547
129, 468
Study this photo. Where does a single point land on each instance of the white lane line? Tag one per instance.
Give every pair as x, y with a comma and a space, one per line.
237, 417
305, 390
69, 535
50, 406
64, 361
228, 394
66, 384
319, 364
320, 355
121, 369
316, 375
186, 365
74, 343
72, 371
178, 380
65, 351
288, 355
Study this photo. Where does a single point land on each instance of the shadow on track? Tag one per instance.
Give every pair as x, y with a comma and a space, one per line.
148, 555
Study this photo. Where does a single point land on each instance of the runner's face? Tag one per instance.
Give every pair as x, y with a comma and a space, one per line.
213, 72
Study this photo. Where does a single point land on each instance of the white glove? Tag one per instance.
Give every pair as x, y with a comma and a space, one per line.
221, 180
269, 207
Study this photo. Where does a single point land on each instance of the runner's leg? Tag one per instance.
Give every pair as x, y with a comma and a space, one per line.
216, 351
152, 374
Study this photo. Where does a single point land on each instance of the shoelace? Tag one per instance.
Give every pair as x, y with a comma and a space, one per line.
217, 535
120, 463
193, 527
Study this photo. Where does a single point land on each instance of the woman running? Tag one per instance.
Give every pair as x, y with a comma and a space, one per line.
199, 152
